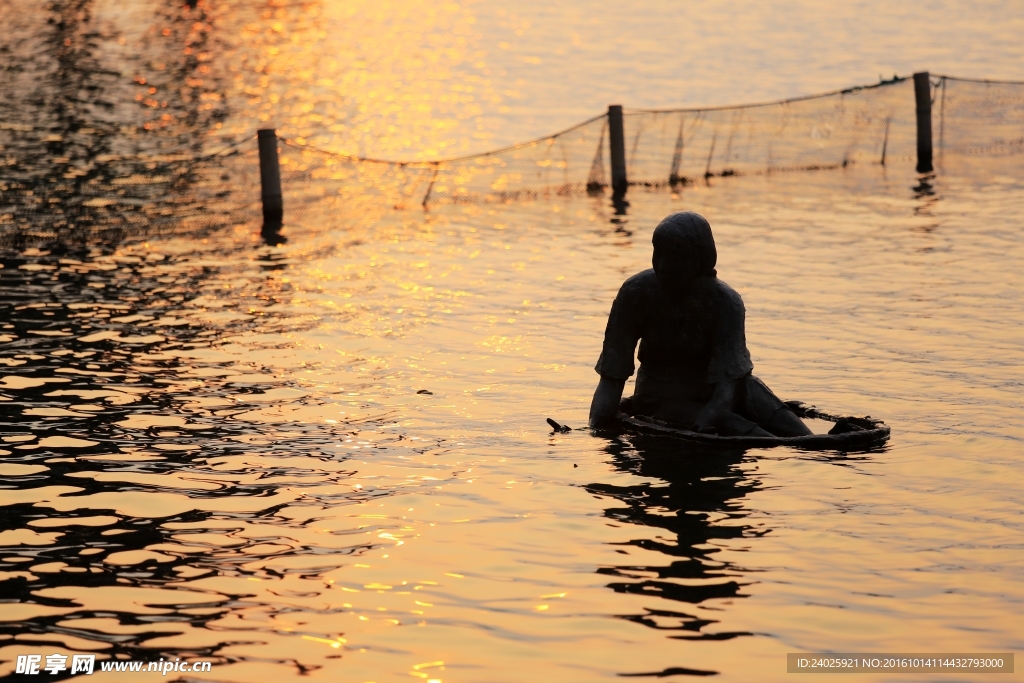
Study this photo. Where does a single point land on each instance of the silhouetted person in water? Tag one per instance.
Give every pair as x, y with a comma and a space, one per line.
694, 364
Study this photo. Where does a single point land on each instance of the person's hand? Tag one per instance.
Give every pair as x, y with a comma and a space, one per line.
606, 402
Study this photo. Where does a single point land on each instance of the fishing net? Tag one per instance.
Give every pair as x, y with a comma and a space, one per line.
978, 117
872, 124
565, 163
92, 180
865, 125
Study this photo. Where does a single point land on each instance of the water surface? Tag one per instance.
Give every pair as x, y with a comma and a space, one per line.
328, 459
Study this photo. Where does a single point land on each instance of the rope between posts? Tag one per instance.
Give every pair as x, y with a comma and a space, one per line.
790, 100
938, 84
429, 164
982, 80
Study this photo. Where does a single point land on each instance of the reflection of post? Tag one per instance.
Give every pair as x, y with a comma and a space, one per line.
617, 146
923, 96
270, 177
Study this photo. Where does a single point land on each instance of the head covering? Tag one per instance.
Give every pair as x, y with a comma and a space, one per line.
687, 231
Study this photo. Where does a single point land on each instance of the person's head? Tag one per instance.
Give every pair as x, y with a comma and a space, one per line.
684, 250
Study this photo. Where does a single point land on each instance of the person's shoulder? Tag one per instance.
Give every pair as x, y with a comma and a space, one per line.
639, 284
722, 292
645, 278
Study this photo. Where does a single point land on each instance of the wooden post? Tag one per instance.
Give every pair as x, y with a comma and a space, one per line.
923, 96
617, 148
270, 177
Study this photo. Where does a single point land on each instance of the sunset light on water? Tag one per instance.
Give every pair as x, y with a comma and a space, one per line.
327, 459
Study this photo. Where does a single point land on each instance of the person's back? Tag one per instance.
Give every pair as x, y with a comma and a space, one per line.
694, 364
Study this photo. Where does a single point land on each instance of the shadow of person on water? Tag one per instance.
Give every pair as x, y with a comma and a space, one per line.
698, 506
700, 503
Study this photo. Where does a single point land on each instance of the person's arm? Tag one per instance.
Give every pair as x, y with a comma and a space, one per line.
616, 362
606, 401
722, 401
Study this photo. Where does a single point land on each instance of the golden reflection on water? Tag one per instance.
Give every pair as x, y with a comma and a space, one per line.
386, 78
396, 79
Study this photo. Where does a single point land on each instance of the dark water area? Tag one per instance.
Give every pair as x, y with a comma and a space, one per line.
327, 458
103, 143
